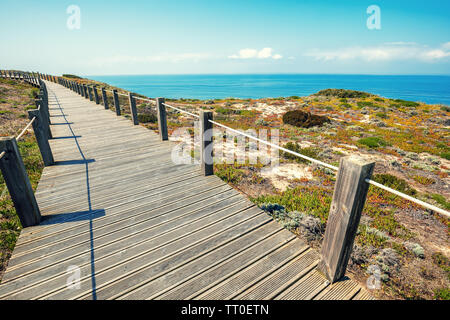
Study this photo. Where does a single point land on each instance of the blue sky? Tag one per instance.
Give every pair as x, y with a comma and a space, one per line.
199, 36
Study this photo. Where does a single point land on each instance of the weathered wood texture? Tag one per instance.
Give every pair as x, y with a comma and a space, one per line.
41, 134
206, 143
18, 183
348, 201
134, 116
162, 119
116, 102
138, 226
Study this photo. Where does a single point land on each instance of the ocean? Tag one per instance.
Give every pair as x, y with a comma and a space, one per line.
428, 89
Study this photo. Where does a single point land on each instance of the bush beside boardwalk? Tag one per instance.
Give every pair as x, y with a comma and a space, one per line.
408, 140
16, 98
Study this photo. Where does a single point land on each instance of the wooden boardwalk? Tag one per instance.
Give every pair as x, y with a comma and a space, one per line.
133, 225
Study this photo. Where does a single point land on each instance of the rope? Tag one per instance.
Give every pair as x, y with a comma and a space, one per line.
405, 196
2, 154
324, 164
329, 166
183, 111
145, 99
25, 129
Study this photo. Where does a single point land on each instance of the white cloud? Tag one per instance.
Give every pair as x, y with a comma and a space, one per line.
385, 52
264, 53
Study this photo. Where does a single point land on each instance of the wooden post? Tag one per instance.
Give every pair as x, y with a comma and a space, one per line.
46, 117
41, 136
162, 119
116, 102
18, 183
349, 196
91, 98
105, 99
206, 140
97, 101
134, 116
85, 91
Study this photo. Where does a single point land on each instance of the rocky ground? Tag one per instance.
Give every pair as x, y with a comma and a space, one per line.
403, 244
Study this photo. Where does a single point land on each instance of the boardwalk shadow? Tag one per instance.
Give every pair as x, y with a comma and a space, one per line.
73, 162
72, 217
88, 215
66, 137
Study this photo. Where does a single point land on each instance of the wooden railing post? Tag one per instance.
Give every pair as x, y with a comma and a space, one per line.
41, 136
97, 101
105, 99
349, 196
18, 183
91, 98
162, 119
46, 117
206, 140
133, 110
85, 91
116, 102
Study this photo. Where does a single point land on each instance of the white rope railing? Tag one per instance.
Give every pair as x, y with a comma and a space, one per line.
405, 196
2, 154
26, 128
324, 164
321, 163
181, 110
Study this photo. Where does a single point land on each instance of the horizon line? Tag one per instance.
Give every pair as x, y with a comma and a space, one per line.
281, 73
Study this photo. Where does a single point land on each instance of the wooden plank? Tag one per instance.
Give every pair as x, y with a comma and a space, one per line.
54, 276
146, 263
147, 228
270, 260
276, 283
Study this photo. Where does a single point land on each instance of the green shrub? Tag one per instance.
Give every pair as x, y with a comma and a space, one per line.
72, 76
293, 146
303, 119
228, 173
409, 104
382, 115
441, 200
147, 118
314, 200
442, 294
343, 93
223, 110
372, 142
445, 155
395, 183
445, 108
33, 93
362, 104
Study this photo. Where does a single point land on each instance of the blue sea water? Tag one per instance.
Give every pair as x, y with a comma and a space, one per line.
428, 89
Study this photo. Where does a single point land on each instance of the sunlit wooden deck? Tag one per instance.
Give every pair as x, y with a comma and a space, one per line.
138, 226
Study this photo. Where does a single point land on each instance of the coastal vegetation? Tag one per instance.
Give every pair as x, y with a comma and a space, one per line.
409, 142
15, 99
